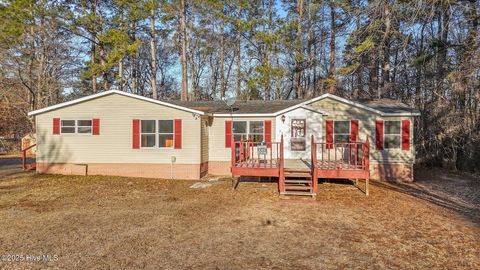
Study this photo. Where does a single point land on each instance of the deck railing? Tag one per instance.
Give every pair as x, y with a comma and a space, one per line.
341, 156
24, 158
257, 154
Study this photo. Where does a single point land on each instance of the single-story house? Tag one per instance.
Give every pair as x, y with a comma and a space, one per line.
119, 133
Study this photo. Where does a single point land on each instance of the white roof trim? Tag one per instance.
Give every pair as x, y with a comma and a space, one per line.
101, 94
244, 114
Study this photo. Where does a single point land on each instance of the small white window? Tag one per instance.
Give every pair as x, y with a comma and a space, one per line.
392, 135
165, 133
148, 133
76, 126
239, 130
84, 126
68, 126
341, 131
251, 130
256, 131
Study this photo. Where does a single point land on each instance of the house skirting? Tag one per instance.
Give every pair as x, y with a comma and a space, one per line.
166, 171
399, 172
386, 172
219, 168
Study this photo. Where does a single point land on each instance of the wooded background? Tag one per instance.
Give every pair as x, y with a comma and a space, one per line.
424, 53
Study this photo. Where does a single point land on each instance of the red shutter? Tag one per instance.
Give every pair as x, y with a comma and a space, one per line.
354, 130
267, 132
56, 126
379, 134
228, 133
329, 134
178, 134
405, 135
136, 134
96, 126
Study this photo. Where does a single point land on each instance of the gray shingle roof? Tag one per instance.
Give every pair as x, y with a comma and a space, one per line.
384, 105
240, 107
387, 105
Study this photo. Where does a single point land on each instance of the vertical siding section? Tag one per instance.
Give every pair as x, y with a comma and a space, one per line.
205, 140
114, 144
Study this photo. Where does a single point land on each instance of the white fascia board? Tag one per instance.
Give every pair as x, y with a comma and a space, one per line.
72, 102
244, 115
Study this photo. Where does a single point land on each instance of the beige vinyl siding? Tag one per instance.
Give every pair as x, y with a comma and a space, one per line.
341, 111
217, 150
204, 140
114, 144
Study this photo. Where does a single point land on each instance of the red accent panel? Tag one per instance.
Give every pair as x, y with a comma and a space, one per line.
379, 134
228, 133
96, 126
267, 132
329, 134
354, 130
56, 126
405, 135
178, 134
136, 134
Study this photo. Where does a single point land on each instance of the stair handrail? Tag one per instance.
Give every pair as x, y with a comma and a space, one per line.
281, 176
313, 161
24, 155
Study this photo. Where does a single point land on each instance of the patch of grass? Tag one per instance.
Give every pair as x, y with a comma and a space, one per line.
115, 222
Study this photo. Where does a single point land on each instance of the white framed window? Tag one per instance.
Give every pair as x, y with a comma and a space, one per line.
148, 133
251, 130
165, 133
341, 131
156, 133
76, 126
255, 131
392, 137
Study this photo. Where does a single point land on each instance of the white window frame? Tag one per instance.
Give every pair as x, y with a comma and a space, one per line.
163, 133
393, 134
156, 134
247, 129
343, 134
75, 126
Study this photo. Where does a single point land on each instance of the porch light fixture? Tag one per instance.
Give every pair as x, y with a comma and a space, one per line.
196, 115
283, 119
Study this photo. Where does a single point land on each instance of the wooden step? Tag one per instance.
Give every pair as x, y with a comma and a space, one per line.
297, 193
297, 181
297, 175
297, 170
289, 187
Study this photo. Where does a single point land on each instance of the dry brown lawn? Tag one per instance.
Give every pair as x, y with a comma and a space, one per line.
116, 223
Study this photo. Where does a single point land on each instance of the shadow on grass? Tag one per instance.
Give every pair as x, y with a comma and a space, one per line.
458, 193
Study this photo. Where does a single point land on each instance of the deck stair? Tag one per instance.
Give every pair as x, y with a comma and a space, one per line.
297, 183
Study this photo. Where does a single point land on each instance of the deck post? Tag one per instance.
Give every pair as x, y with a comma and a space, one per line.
313, 163
280, 168
24, 159
233, 157
366, 186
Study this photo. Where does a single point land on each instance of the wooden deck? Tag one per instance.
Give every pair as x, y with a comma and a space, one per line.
328, 160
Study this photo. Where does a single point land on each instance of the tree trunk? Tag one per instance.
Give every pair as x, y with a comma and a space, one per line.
222, 59
239, 61
153, 54
333, 85
298, 52
184, 95
93, 50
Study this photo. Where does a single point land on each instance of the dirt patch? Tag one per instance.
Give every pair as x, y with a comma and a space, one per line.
116, 223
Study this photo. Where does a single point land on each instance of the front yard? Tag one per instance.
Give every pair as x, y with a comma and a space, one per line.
116, 223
